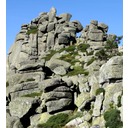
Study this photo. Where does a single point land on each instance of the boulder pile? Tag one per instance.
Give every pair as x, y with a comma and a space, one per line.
50, 71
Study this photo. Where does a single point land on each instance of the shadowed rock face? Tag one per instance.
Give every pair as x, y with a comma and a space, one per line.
48, 73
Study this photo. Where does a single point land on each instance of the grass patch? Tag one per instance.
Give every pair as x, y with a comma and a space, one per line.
48, 56
21, 82
100, 90
56, 121
112, 119
74, 61
90, 61
7, 84
32, 30
68, 49
33, 94
77, 70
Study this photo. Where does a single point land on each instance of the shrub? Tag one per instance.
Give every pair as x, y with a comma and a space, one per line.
120, 53
33, 94
32, 30
7, 84
100, 90
90, 61
83, 47
112, 119
101, 54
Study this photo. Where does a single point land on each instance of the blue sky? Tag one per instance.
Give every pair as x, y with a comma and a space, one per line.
19, 12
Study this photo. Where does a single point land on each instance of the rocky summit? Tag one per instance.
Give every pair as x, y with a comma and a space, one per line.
57, 80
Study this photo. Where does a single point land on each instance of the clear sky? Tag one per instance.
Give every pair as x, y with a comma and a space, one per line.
19, 12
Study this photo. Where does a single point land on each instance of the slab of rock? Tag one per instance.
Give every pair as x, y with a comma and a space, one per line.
52, 14
57, 95
97, 105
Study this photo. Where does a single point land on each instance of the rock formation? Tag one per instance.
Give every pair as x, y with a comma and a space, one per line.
50, 71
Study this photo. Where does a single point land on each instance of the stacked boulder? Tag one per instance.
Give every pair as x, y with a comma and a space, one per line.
57, 95
95, 31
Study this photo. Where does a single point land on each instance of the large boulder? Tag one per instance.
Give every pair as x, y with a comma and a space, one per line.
23, 106
113, 69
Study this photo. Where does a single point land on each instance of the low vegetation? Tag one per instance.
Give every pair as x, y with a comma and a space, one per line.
77, 70
83, 47
32, 30
59, 120
32, 95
